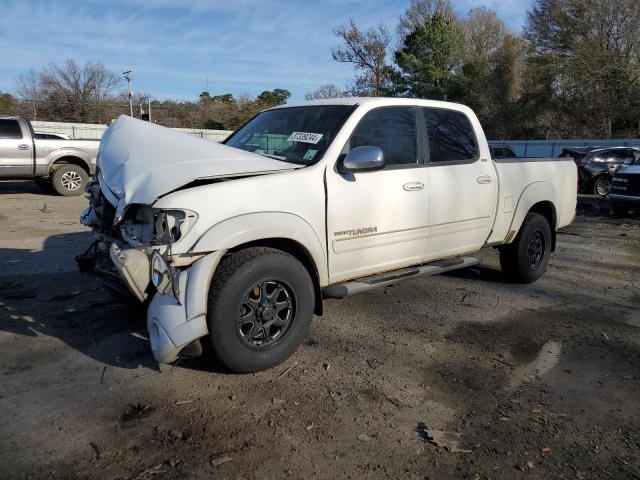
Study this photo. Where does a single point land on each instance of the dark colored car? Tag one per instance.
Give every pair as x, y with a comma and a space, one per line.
577, 153
499, 150
596, 166
625, 188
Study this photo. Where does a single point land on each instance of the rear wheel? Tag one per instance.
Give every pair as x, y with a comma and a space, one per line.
602, 186
260, 308
526, 259
69, 180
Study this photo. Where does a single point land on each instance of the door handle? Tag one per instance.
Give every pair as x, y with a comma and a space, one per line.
484, 179
23, 147
413, 186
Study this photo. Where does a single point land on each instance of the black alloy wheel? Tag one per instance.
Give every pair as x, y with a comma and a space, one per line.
535, 248
266, 313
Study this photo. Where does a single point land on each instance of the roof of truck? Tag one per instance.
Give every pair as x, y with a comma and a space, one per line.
363, 100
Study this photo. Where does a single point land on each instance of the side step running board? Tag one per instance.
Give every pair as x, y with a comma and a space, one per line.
341, 290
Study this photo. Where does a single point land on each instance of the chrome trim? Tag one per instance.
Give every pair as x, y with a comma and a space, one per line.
624, 197
364, 158
413, 186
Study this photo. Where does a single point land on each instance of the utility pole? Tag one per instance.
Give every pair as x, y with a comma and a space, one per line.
127, 75
148, 99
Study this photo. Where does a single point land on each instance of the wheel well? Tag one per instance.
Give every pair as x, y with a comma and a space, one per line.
70, 160
548, 211
299, 252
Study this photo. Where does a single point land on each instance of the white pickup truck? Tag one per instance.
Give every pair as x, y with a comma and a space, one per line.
240, 242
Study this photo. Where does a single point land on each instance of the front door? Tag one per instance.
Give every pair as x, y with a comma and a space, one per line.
378, 220
16, 150
462, 185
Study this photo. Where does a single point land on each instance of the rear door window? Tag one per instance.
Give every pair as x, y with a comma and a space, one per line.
393, 129
451, 137
10, 129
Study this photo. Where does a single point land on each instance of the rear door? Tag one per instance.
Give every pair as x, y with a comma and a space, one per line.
377, 221
462, 184
16, 150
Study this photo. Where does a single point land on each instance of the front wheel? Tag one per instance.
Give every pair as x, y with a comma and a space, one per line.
69, 180
260, 308
526, 259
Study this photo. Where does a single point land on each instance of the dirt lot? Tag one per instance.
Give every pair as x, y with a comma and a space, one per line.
539, 381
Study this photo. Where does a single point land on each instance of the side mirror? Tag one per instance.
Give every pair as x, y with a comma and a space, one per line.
628, 161
363, 159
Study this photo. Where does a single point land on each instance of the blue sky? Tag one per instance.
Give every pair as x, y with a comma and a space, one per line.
173, 46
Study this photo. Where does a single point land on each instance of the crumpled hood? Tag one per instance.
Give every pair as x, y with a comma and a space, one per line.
140, 161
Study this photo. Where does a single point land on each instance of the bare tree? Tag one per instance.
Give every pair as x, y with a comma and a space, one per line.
509, 60
29, 88
366, 51
78, 90
594, 49
484, 35
325, 91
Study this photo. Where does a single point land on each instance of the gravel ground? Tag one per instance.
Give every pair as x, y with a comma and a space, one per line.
458, 376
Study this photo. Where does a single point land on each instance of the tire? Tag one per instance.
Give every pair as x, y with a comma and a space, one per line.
261, 303
602, 185
526, 259
69, 180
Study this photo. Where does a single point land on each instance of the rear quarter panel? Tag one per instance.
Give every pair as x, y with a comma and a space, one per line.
525, 182
48, 151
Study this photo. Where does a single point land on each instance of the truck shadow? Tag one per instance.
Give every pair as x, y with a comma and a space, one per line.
43, 295
480, 272
22, 186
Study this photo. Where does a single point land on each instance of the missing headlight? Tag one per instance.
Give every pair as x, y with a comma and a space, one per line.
145, 226
172, 225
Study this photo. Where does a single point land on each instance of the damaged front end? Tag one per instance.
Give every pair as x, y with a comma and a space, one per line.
132, 254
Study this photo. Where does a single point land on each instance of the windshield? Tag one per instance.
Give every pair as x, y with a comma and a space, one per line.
296, 134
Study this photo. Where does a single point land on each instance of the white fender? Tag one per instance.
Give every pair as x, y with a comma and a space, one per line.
264, 225
173, 324
534, 193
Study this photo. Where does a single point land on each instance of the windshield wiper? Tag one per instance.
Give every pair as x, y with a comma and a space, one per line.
275, 157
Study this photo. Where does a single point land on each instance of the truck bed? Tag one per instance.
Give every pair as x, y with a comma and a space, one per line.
519, 178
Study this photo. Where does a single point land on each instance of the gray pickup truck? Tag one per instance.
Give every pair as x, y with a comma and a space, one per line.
63, 165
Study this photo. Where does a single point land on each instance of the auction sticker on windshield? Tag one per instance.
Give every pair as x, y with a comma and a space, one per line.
305, 137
